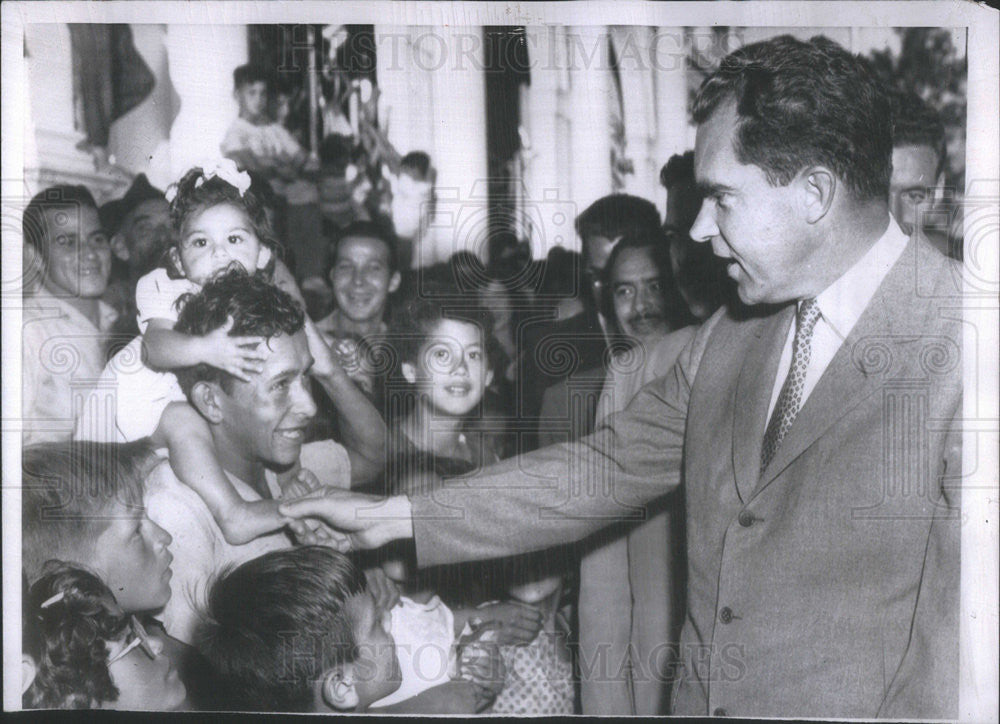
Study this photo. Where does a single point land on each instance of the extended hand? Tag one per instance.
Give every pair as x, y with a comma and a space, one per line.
362, 521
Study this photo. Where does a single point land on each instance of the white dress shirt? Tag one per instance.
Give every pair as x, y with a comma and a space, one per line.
841, 305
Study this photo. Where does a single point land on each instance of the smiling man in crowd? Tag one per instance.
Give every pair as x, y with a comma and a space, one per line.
258, 428
823, 520
66, 325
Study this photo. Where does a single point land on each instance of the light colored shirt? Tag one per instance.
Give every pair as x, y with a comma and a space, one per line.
199, 548
62, 358
841, 305
424, 634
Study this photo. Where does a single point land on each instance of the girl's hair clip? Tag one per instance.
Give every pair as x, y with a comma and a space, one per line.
53, 599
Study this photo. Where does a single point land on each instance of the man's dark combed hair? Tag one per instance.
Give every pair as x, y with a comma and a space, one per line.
258, 309
366, 230
33, 222
618, 215
249, 73
70, 642
679, 169
276, 623
805, 103
71, 491
915, 123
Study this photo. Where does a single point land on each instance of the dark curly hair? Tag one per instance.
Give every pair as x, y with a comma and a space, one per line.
417, 318
258, 309
192, 198
70, 639
803, 103
262, 610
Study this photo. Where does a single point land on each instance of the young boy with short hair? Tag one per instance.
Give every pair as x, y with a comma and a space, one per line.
82, 503
254, 140
297, 630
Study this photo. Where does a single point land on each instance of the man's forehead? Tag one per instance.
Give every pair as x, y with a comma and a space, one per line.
362, 245
284, 351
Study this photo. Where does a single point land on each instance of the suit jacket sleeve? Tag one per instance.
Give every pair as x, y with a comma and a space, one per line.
562, 493
925, 685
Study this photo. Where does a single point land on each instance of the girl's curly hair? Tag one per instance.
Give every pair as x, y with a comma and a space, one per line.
70, 639
192, 198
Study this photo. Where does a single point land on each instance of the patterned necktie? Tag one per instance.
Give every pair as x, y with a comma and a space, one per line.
790, 398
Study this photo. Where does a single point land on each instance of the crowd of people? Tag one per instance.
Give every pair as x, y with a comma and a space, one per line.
272, 463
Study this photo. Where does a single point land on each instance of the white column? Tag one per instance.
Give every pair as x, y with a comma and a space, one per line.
673, 132
591, 93
202, 59
547, 174
458, 99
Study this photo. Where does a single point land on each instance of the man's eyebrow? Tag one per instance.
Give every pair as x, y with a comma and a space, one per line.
708, 188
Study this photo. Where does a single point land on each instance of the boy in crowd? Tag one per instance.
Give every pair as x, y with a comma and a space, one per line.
65, 318
83, 503
299, 630
254, 140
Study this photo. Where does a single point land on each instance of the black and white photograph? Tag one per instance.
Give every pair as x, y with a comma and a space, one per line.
502, 359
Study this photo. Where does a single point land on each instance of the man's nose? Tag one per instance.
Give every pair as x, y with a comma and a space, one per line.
704, 227
302, 400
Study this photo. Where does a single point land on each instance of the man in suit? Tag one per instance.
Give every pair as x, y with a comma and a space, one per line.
816, 433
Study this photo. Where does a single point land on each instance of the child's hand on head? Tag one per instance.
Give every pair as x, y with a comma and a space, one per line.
239, 356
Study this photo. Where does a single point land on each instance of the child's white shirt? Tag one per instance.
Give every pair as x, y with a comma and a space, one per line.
425, 646
140, 393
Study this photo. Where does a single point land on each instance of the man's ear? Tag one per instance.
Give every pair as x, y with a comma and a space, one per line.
338, 690
205, 397
119, 248
28, 671
819, 185
394, 281
409, 372
489, 378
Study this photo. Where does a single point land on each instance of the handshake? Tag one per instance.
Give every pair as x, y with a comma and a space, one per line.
346, 521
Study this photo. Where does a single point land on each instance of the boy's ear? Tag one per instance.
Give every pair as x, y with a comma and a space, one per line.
409, 372
338, 690
28, 671
119, 248
394, 281
489, 378
205, 398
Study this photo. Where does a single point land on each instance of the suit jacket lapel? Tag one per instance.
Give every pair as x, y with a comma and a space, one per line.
753, 395
859, 368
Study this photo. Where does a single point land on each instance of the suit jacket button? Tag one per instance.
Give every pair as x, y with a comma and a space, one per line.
719, 711
726, 615
746, 518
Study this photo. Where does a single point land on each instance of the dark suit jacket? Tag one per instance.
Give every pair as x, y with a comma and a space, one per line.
828, 586
549, 353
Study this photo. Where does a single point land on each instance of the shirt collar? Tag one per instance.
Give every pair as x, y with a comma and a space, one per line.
843, 302
42, 298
